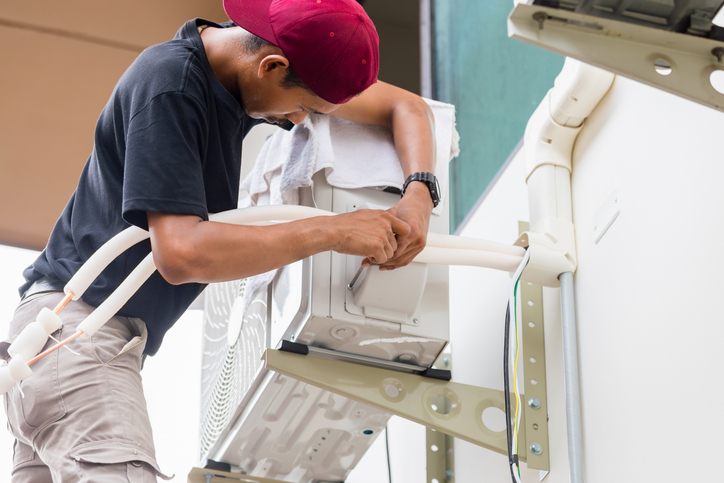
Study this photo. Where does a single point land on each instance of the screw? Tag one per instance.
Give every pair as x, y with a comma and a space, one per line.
534, 403
415, 321
446, 360
209, 477
718, 52
448, 474
536, 449
540, 17
350, 285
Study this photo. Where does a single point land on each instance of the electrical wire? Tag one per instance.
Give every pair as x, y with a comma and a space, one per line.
387, 444
512, 439
55, 347
515, 370
506, 389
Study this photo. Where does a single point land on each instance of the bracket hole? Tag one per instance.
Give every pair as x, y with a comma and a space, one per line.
392, 390
717, 81
441, 404
662, 67
530, 303
434, 448
533, 381
434, 480
532, 360
494, 419
531, 324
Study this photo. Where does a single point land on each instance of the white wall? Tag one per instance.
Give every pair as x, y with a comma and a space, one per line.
650, 330
647, 296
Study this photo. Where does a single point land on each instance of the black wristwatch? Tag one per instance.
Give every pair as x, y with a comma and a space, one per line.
430, 180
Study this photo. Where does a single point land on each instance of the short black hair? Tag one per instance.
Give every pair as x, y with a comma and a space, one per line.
252, 44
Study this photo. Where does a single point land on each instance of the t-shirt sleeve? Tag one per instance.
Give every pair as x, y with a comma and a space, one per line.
164, 162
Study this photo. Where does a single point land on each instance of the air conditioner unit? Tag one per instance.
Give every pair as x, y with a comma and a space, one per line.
265, 424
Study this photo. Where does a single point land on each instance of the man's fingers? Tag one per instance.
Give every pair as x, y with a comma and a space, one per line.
400, 228
392, 241
400, 262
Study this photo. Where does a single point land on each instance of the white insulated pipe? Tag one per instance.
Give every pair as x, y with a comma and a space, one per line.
549, 139
108, 252
118, 298
16, 370
469, 257
446, 249
452, 241
33, 337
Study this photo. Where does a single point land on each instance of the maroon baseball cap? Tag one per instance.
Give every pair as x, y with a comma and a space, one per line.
331, 44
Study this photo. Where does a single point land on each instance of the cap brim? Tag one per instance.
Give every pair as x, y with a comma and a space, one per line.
252, 16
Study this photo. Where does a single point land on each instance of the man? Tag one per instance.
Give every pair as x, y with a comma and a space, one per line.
166, 154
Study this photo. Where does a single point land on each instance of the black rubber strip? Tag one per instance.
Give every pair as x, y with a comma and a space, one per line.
295, 347
441, 374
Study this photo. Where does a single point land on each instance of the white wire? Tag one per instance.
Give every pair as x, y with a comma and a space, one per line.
71, 350
514, 340
515, 474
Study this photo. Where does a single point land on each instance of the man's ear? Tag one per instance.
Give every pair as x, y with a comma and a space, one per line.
273, 64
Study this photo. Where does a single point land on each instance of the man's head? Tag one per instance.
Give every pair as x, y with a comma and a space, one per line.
330, 45
274, 92
253, 44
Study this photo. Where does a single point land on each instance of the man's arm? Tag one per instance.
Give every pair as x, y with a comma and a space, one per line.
188, 249
411, 122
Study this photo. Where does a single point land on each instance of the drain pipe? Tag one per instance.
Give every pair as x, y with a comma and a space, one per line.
549, 139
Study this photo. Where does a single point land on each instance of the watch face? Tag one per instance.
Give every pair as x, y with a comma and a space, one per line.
435, 192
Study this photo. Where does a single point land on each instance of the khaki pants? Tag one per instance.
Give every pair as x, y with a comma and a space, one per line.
83, 417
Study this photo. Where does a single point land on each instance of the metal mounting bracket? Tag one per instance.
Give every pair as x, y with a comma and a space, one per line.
451, 408
675, 62
205, 475
440, 447
535, 403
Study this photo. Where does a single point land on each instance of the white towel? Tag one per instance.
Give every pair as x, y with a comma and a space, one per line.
353, 155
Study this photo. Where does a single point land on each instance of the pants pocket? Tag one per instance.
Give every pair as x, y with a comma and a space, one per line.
119, 336
38, 403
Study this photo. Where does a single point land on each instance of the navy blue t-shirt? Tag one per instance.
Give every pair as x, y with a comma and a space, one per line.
169, 140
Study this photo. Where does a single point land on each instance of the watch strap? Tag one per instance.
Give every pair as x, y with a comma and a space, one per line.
430, 181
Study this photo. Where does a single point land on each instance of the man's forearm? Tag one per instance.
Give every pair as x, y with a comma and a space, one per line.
413, 127
188, 249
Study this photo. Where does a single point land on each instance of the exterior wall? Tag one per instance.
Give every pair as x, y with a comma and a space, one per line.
65, 57
648, 326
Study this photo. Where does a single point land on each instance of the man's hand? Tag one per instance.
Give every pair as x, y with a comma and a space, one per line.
372, 234
414, 209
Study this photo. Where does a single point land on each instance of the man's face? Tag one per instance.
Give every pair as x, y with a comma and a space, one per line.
280, 105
